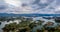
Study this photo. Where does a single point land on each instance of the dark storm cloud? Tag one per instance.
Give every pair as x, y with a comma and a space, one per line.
3, 5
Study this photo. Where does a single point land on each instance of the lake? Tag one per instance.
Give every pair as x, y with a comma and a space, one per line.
34, 19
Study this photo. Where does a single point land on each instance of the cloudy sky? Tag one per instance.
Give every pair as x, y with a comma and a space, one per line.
30, 6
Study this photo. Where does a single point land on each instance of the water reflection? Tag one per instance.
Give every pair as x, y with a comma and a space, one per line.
34, 20
0, 23
5, 22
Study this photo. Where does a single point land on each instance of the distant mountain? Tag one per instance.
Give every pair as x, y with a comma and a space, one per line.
28, 15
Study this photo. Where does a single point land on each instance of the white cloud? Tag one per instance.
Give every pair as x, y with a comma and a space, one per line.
15, 6
13, 2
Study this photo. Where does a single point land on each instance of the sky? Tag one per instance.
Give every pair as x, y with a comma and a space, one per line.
30, 6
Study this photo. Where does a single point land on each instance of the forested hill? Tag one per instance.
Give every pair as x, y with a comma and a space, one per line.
29, 15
